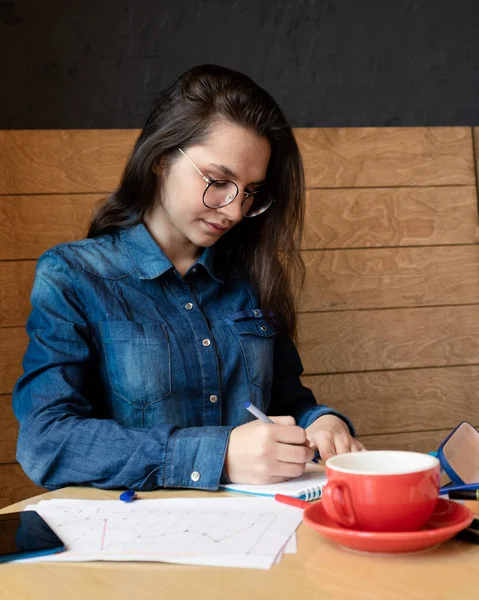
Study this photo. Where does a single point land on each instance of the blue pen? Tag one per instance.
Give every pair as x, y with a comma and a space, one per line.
457, 488
262, 417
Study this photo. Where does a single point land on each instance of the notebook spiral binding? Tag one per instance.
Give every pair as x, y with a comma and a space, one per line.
313, 492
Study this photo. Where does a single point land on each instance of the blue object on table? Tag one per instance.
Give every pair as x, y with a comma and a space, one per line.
128, 496
453, 476
451, 487
457, 454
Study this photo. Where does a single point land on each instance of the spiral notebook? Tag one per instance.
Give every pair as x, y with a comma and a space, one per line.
309, 486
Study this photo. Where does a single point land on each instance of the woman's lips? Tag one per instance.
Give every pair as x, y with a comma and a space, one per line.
214, 227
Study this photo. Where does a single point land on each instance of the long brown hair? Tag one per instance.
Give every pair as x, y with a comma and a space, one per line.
266, 246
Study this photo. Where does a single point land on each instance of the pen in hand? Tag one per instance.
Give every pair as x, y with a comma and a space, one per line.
257, 413
262, 417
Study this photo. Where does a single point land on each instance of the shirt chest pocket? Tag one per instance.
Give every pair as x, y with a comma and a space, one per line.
256, 336
138, 360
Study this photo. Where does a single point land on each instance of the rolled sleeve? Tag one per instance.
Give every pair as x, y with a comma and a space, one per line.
309, 416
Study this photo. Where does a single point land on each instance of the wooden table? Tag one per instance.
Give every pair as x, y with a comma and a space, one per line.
320, 570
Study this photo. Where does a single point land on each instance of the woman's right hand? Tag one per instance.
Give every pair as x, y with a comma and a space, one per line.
262, 453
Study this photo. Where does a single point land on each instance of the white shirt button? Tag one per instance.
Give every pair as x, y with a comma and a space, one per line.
188, 306
195, 476
206, 342
194, 269
213, 398
256, 313
264, 328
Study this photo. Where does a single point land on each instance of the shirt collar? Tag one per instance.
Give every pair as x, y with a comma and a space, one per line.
207, 259
149, 259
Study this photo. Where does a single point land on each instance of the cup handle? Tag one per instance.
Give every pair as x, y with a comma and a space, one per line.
344, 516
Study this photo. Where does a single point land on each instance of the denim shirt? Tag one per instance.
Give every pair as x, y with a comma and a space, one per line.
134, 375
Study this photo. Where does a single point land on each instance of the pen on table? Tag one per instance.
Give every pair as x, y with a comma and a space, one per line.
292, 501
262, 417
128, 496
458, 488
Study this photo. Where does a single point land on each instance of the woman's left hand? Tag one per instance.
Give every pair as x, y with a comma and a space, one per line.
330, 435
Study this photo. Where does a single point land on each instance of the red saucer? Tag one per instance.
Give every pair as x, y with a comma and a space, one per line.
447, 519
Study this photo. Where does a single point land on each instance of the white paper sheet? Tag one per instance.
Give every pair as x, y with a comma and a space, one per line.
224, 532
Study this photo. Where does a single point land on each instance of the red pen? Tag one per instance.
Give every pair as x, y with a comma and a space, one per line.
292, 501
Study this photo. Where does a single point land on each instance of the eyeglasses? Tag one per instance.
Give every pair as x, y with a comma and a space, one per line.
221, 192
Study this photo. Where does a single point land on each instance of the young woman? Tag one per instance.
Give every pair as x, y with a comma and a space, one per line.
148, 337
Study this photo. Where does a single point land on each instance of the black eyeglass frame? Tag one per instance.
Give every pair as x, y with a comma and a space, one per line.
210, 182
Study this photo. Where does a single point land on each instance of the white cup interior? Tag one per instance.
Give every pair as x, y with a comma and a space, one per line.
382, 462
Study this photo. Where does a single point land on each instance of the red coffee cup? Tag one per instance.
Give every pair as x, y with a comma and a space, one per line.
381, 490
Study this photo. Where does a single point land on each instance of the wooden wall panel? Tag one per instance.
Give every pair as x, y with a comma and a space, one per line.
380, 402
389, 156
360, 218
334, 219
29, 225
390, 277
16, 279
9, 429
69, 161
63, 161
414, 441
475, 133
369, 340
13, 343
15, 485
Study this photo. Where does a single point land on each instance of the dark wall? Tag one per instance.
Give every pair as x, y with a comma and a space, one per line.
101, 64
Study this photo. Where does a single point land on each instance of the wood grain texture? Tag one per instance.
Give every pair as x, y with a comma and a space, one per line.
384, 157
15, 485
390, 277
361, 218
13, 343
68, 161
369, 340
29, 225
381, 402
414, 441
320, 569
475, 133
63, 161
16, 280
334, 219
9, 429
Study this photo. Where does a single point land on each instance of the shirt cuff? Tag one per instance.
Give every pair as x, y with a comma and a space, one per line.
309, 416
195, 457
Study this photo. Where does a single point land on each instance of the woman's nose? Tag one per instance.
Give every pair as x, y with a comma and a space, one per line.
233, 210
